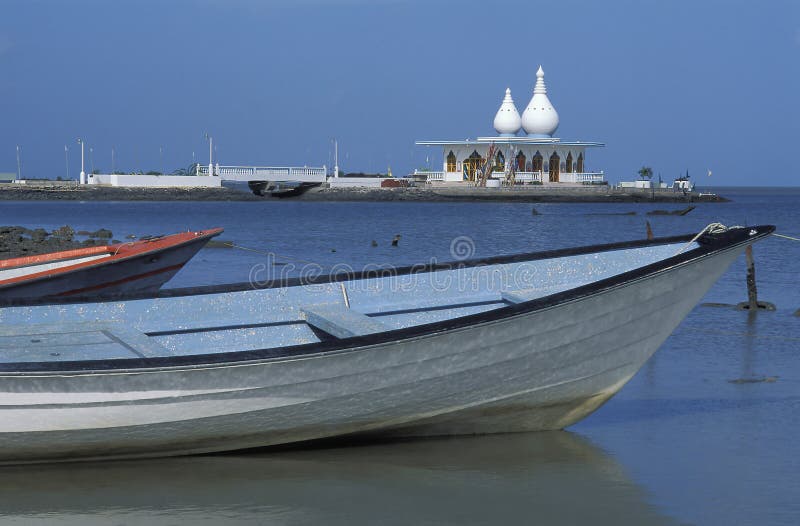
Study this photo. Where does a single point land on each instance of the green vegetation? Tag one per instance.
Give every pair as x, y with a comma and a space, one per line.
645, 172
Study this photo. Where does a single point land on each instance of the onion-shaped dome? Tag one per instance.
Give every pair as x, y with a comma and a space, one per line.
507, 122
540, 119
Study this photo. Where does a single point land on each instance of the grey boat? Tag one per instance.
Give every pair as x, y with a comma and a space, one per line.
512, 343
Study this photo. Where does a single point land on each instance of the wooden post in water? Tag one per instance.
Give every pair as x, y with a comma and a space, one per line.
752, 292
650, 230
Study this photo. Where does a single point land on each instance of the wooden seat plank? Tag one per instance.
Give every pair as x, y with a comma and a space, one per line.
341, 322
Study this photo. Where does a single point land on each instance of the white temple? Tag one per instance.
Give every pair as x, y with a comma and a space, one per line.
534, 158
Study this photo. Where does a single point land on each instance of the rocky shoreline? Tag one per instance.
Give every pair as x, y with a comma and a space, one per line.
530, 194
108, 193
19, 241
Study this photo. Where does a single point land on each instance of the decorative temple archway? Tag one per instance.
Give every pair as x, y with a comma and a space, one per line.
538, 162
554, 167
471, 165
569, 163
580, 163
499, 162
451, 161
521, 161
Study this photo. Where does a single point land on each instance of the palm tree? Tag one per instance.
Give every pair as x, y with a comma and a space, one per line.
645, 172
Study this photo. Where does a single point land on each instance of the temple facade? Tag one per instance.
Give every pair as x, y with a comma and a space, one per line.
524, 151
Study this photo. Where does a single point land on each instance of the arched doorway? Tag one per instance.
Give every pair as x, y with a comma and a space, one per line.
555, 160
451, 161
569, 162
521, 162
471, 165
580, 163
538, 162
499, 162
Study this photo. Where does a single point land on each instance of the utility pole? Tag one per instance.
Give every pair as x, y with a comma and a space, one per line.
82, 178
161, 157
19, 165
210, 154
335, 158
66, 157
91, 160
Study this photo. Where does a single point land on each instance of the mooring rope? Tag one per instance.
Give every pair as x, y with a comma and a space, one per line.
265, 253
711, 228
786, 237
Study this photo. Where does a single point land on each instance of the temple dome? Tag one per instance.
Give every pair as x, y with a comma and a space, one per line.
507, 122
540, 119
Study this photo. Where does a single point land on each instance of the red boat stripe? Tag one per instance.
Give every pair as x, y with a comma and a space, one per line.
120, 281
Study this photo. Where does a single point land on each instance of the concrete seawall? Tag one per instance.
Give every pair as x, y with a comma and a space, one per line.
532, 194
529, 194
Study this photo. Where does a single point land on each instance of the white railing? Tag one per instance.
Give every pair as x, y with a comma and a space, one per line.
429, 175
528, 177
581, 177
523, 177
433, 176
267, 173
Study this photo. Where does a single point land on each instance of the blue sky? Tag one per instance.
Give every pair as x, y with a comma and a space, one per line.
678, 85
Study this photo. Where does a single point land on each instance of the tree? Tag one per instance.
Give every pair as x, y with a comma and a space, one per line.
645, 172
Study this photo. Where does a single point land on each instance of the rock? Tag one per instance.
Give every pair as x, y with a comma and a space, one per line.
102, 234
681, 212
396, 240
130, 236
374, 243
88, 242
115, 241
535, 212
755, 380
65, 232
84, 233
762, 305
39, 235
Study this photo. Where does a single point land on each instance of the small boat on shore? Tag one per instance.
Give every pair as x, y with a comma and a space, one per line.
137, 266
280, 188
512, 343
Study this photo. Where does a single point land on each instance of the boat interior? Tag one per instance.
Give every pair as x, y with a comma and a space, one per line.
279, 317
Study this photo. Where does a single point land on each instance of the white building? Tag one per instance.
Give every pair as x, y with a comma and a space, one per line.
535, 157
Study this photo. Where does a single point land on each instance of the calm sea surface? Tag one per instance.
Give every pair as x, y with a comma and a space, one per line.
682, 443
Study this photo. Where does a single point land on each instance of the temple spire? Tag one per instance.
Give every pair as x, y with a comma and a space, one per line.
540, 119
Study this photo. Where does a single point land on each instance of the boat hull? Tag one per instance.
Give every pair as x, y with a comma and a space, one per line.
539, 370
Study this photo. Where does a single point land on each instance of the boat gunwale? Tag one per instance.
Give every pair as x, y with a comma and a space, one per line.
132, 249
255, 356
54, 257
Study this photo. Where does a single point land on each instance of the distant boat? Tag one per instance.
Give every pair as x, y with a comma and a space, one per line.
137, 266
511, 343
280, 188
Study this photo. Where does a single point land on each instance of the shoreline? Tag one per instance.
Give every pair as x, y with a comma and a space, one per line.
535, 194
413, 194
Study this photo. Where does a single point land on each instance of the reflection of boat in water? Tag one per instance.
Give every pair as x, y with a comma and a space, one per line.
558, 477
511, 343
101, 271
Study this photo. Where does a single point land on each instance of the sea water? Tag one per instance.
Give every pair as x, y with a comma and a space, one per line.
705, 433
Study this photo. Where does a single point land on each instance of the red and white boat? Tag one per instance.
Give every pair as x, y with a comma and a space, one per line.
137, 266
